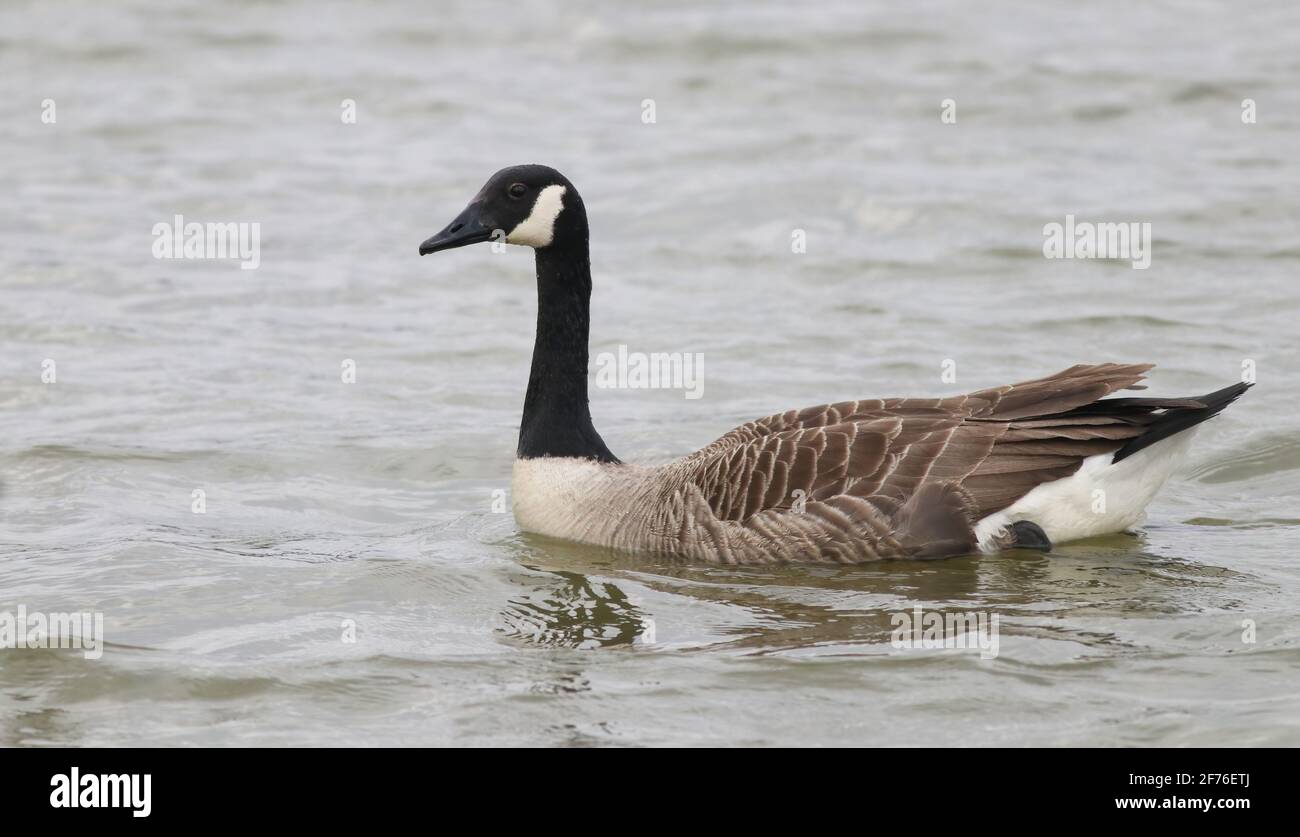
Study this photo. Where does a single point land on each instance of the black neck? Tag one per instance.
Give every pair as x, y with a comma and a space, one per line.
557, 419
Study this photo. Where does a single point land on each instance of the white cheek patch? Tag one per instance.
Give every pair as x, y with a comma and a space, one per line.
538, 228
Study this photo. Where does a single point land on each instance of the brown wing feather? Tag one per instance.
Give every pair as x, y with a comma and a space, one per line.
1069, 389
904, 470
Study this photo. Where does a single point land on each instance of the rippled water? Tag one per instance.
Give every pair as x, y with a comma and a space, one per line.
373, 501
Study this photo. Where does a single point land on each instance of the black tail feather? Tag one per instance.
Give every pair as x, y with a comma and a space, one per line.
1178, 415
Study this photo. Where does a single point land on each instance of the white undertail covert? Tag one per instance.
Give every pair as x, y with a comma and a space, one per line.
1100, 498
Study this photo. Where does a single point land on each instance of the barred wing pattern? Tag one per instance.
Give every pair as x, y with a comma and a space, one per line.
863, 480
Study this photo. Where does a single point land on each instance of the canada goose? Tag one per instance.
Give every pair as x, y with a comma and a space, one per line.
1023, 465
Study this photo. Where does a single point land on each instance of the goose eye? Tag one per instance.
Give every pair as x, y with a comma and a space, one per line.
517, 190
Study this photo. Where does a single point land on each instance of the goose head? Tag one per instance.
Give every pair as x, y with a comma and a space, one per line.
532, 206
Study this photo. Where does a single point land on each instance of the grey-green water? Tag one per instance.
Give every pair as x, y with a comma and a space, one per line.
373, 501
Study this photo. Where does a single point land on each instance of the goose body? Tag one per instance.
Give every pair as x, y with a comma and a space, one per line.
1029, 464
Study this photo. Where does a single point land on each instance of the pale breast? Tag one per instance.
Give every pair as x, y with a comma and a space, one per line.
578, 499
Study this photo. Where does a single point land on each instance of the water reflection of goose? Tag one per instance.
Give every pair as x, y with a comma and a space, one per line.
578, 612
1081, 604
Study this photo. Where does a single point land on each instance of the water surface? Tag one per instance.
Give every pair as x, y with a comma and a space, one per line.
373, 502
